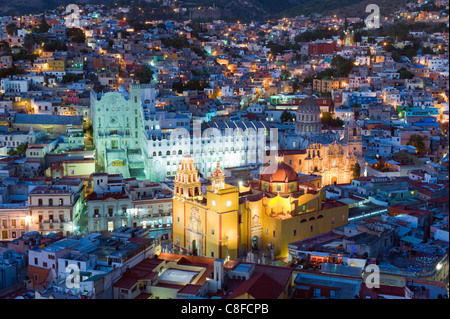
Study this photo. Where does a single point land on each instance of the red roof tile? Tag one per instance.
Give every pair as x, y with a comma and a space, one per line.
259, 286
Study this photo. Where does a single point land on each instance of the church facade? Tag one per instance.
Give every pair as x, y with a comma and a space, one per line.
328, 154
265, 215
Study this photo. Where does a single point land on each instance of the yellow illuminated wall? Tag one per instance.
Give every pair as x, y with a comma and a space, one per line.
56, 65
279, 221
216, 225
213, 224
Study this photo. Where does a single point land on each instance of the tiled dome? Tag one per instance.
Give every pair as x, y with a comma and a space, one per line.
284, 174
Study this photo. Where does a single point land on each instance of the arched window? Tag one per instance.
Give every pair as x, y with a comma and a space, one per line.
50, 202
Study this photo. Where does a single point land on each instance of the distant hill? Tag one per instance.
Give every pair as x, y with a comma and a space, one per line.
347, 8
268, 9
17, 7
244, 9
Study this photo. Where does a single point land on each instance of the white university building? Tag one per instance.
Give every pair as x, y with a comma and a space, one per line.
130, 140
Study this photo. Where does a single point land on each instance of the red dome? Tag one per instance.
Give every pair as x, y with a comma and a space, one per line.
284, 174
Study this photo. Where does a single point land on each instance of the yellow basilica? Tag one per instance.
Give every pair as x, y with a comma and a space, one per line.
268, 214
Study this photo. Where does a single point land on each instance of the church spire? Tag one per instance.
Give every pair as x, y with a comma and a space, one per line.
218, 179
187, 182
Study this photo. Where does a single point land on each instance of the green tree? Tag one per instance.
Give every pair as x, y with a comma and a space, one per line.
327, 119
286, 116
295, 85
28, 42
342, 66
70, 78
19, 150
418, 142
405, 74
53, 46
392, 128
427, 50
356, 171
43, 26
76, 35
11, 71
11, 29
396, 56
144, 75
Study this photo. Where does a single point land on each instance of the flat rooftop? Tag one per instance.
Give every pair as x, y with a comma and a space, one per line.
178, 275
366, 210
243, 267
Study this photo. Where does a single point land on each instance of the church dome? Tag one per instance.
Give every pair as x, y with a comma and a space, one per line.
308, 121
283, 174
122, 89
309, 105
